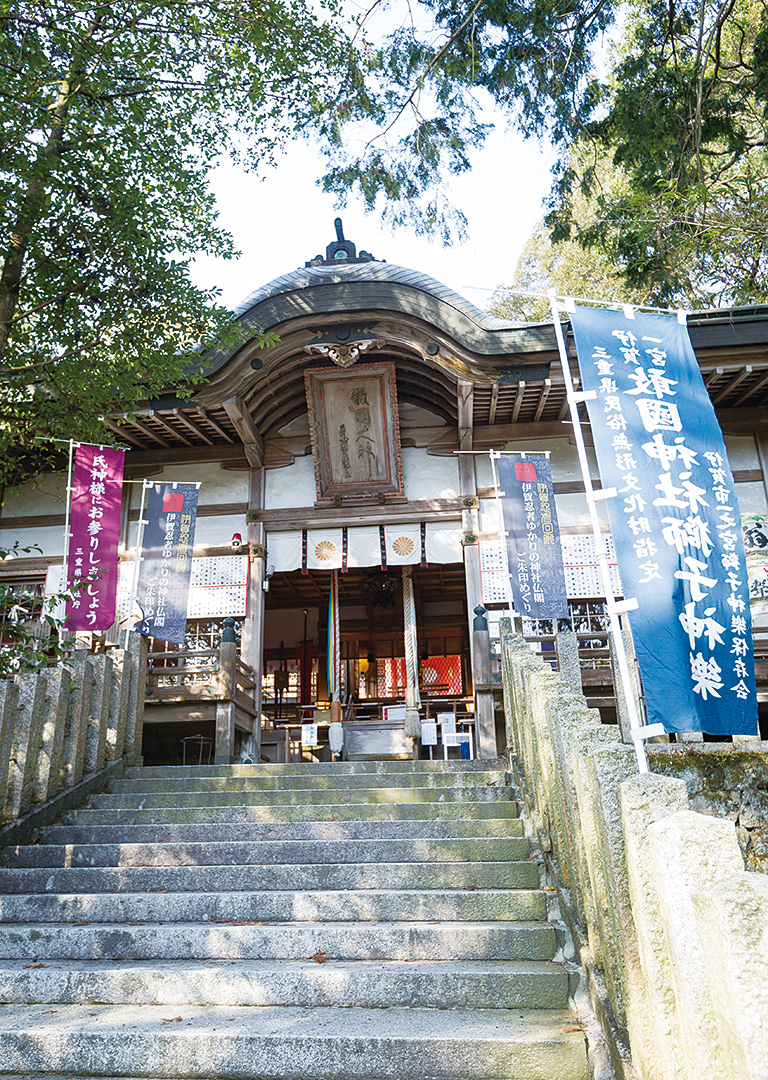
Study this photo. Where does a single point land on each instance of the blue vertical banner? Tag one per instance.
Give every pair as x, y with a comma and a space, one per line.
674, 518
534, 557
164, 573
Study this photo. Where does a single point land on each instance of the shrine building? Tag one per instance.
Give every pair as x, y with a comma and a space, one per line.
347, 511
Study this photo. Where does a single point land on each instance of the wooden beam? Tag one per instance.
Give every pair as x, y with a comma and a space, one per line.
145, 429
215, 425
465, 407
743, 421
494, 403
565, 408
121, 433
181, 416
47, 521
208, 510
486, 436
136, 462
35, 568
518, 400
542, 399
712, 377
465, 398
159, 419
742, 375
239, 413
755, 390
289, 519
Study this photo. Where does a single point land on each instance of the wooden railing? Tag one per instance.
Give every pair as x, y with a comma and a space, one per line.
216, 679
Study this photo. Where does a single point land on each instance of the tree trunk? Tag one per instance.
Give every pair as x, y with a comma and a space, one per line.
29, 212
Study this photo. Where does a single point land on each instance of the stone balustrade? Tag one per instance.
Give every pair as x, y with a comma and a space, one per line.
671, 928
62, 727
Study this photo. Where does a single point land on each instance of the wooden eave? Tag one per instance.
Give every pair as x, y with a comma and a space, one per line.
732, 348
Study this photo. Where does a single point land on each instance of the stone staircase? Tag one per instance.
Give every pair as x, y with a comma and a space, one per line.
380, 920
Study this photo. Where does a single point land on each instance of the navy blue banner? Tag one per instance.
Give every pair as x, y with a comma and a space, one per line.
675, 519
533, 536
169, 537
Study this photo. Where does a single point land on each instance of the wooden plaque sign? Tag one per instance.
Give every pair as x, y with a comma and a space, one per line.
355, 431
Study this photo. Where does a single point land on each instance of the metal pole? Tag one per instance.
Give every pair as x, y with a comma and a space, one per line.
495, 454
146, 484
614, 609
67, 520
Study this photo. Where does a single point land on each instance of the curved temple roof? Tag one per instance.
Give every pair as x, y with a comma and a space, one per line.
325, 289
436, 338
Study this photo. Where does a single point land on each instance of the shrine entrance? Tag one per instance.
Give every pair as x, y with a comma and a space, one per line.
372, 651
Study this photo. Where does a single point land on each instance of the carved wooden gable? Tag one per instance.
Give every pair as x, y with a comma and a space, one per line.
355, 431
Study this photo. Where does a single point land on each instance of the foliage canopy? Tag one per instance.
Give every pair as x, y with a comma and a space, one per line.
110, 116
663, 132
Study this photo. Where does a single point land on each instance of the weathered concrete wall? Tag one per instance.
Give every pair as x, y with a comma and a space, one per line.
67, 723
672, 930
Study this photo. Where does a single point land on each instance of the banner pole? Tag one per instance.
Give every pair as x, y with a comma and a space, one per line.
67, 521
137, 558
495, 454
600, 549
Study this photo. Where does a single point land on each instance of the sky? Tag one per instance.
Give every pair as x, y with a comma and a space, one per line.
281, 221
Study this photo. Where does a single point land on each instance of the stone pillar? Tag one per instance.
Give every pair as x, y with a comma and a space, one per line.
485, 719
98, 717
134, 725
622, 712
49, 763
730, 915
568, 664
25, 745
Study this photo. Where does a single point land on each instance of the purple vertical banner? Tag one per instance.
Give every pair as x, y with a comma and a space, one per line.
166, 565
97, 487
674, 518
533, 537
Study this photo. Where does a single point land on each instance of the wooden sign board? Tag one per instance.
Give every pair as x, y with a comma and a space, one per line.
355, 431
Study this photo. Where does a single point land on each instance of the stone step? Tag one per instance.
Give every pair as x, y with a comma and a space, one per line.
238, 814
321, 831
283, 941
486, 905
234, 797
269, 852
474, 875
274, 1043
313, 781
514, 984
318, 768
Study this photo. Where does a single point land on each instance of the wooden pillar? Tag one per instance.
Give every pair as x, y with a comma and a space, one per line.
334, 649
252, 647
410, 640
761, 442
485, 728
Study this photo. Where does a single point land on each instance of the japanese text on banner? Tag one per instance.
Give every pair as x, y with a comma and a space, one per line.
169, 537
675, 519
534, 557
97, 486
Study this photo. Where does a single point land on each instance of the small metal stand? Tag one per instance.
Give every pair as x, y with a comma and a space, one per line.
204, 744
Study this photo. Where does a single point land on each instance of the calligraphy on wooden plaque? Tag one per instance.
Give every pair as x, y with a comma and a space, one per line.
355, 431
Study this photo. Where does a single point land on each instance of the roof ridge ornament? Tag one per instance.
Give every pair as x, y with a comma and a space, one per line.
340, 250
